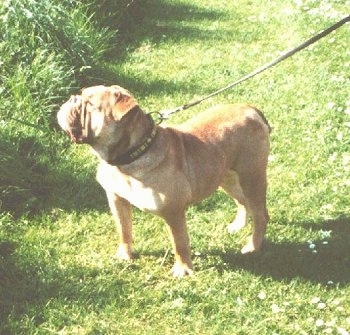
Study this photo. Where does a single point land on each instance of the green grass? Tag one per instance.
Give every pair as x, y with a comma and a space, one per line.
57, 238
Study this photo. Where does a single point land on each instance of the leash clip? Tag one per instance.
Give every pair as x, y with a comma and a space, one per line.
165, 113
158, 118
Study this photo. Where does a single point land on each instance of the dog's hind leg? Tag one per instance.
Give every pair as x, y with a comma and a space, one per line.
254, 184
233, 188
248, 189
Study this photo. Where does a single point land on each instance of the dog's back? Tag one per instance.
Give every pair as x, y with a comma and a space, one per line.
222, 118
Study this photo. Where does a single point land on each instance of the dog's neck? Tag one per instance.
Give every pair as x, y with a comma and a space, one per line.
142, 144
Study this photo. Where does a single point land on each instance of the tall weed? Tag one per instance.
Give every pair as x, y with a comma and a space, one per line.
47, 48
46, 45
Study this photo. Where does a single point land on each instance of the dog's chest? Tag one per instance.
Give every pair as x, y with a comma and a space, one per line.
131, 189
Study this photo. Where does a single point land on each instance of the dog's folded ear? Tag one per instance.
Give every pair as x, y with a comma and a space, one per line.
123, 103
114, 101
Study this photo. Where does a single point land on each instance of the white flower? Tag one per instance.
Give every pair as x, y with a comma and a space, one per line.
298, 3
325, 233
330, 105
315, 300
275, 308
239, 301
262, 295
177, 303
319, 323
342, 331
340, 136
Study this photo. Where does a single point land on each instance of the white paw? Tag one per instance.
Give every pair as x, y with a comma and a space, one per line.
123, 253
181, 270
252, 246
248, 248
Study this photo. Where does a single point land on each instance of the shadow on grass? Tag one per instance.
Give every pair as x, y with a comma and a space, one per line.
34, 286
34, 282
156, 21
327, 262
32, 179
137, 86
152, 22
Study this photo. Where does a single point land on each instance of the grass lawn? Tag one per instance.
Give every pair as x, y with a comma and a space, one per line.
57, 271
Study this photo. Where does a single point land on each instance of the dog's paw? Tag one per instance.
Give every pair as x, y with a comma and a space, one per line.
251, 246
181, 270
248, 248
123, 253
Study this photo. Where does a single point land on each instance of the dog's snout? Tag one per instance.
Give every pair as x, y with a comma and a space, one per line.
72, 122
77, 136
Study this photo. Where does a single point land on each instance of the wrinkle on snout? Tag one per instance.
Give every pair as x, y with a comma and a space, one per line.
68, 118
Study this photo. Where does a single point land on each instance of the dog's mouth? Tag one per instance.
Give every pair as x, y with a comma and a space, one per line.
75, 134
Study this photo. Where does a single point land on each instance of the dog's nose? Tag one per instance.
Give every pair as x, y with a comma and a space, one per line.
75, 134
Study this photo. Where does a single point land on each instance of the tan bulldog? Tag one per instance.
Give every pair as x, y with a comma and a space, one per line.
163, 170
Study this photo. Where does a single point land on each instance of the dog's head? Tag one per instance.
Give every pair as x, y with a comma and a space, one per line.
94, 115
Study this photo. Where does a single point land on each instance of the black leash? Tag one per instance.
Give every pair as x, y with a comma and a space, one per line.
166, 113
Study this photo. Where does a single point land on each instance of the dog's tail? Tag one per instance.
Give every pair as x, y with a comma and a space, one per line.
261, 114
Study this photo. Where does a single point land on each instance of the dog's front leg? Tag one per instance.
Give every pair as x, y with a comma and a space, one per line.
180, 240
121, 210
